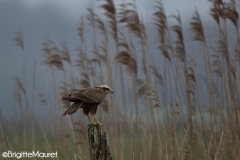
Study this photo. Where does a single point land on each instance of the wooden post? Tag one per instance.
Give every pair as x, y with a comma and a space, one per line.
98, 143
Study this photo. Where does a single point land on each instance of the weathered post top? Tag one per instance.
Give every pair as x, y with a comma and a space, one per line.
98, 143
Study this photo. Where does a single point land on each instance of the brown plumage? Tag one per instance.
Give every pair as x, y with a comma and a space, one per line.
88, 99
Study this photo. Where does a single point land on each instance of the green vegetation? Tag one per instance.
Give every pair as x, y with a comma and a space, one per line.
187, 115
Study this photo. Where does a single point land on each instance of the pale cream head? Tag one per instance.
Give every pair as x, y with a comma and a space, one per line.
106, 89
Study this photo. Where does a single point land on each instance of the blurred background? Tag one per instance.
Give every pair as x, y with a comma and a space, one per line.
173, 66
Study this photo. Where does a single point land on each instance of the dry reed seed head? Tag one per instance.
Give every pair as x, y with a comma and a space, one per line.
51, 54
180, 46
85, 80
110, 13
197, 28
104, 49
142, 88
157, 105
91, 15
186, 134
160, 20
223, 48
154, 98
153, 95
95, 60
177, 110
65, 53
124, 45
54, 60
128, 15
152, 90
156, 74
177, 105
20, 85
100, 25
19, 39
225, 10
125, 58
186, 153
109, 7
42, 98
161, 24
215, 10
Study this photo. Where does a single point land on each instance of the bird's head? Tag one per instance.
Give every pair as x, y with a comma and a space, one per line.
106, 89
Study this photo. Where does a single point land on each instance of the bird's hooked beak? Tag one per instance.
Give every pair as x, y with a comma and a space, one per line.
111, 91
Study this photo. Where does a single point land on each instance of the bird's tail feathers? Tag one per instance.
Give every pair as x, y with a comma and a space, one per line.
73, 108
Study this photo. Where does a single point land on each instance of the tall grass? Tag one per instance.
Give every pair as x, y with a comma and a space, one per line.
196, 116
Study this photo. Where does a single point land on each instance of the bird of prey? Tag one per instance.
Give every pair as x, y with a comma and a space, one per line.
88, 99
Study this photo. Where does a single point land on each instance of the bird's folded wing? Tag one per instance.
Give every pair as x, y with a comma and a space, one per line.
79, 90
89, 95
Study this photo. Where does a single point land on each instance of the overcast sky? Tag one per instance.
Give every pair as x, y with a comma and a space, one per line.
60, 19
73, 8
